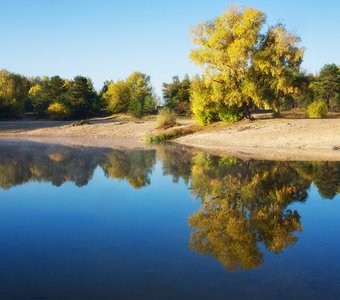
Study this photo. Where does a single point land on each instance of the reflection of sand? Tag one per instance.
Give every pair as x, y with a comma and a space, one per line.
276, 139
86, 141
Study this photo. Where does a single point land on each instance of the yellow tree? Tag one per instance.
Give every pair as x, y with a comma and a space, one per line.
245, 65
117, 97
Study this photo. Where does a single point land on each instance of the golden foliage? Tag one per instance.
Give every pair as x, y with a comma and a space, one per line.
250, 68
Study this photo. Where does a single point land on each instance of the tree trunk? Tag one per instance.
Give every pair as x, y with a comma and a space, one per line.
247, 114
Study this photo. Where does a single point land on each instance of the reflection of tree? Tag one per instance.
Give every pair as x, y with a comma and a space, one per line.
176, 162
244, 204
20, 164
325, 175
13, 171
134, 166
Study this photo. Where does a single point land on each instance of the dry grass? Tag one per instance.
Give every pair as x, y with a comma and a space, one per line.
166, 119
171, 134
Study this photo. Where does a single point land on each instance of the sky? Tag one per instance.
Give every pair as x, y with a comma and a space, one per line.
108, 40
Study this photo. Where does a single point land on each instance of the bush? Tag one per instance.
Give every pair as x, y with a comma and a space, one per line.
58, 111
156, 138
317, 110
166, 119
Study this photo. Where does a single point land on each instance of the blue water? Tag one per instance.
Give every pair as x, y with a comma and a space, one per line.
165, 223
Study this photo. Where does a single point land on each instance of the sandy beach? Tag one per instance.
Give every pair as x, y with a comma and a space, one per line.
270, 139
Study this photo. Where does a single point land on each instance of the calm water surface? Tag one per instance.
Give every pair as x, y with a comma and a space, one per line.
86, 223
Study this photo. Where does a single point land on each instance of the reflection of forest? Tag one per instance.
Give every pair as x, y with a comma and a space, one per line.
245, 204
134, 166
21, 163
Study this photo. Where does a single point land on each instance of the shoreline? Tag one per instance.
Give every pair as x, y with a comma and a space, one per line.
267, 139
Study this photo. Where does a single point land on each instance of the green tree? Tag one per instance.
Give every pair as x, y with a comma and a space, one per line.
39, 98
251, 66
142, 99
81, 97
13, 94
304, 95
56, 88
327, 86
177, 95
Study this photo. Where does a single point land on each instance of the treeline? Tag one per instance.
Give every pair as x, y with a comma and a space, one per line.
59, 98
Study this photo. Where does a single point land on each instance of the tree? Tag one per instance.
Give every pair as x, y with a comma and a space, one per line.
56, 88
206, 102
13, 93
105, 87
177, 95
142, 99
81, 97
305, 94
134, 95
117, 97
39, 98
251, 67
327, 86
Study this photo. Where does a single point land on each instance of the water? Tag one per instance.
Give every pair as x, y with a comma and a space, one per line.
165, 223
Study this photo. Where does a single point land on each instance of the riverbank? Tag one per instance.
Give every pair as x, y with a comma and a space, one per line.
269, 139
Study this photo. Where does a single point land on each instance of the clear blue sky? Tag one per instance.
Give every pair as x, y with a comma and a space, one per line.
110, 39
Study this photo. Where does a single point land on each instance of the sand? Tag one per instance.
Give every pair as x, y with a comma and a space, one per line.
270, 139
276, 139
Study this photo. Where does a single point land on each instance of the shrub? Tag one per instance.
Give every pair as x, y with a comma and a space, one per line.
156, 138
317, 110
58, 111
166, 119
